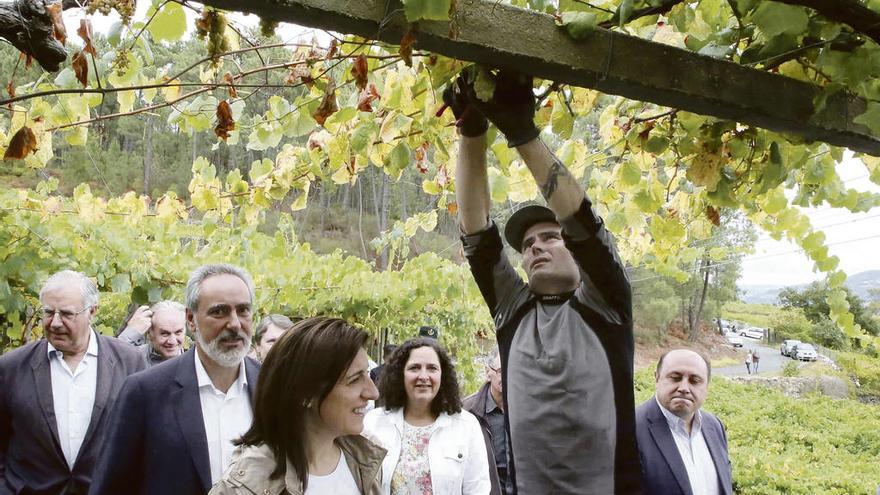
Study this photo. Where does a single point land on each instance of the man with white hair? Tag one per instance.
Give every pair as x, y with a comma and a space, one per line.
157, 331
55, 393
173, 426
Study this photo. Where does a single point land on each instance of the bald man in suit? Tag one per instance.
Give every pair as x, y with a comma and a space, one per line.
683, 449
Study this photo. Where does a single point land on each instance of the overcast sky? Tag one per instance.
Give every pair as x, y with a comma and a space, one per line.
854, 238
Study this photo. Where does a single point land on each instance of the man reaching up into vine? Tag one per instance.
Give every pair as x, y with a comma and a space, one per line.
565, 337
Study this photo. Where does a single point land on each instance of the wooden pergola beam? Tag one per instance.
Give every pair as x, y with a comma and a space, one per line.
490, 33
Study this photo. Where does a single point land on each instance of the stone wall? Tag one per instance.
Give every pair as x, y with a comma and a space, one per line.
831, 386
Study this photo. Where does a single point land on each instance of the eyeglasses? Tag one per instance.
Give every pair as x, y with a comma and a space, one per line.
49, 314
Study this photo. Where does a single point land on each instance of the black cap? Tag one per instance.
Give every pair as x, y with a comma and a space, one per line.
431, 332
522, 219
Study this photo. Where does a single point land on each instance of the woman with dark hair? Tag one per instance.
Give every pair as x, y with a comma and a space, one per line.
434, 447
309, 410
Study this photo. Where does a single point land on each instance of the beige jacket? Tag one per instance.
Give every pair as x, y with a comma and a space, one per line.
248, 474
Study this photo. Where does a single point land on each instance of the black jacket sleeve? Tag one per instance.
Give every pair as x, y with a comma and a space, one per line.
593, 250
499, 283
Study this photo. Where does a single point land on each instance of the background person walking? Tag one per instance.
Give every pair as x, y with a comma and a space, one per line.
749, 362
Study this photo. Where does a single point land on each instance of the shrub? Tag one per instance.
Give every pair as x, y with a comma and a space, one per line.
865, 368
790, 368
791, 324
828, 334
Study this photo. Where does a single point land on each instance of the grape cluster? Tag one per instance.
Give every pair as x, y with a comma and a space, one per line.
267, 27
120, 62
212, 25
124, 7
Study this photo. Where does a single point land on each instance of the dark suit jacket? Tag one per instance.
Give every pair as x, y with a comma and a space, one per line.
31, 460
156, 441
476, 405
663, 471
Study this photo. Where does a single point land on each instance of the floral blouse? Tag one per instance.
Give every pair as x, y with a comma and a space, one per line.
412, 476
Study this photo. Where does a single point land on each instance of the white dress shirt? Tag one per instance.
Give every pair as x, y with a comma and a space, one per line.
73, 396
227, 416
694, 452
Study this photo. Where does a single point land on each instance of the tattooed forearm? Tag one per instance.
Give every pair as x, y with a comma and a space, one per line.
557, 170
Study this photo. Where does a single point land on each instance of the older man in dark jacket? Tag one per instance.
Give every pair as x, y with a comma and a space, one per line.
55, 393
487, 405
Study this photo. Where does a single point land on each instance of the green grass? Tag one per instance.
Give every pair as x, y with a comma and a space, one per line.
724, 362
759, 315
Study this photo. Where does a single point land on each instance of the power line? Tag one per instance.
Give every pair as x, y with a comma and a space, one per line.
729, 261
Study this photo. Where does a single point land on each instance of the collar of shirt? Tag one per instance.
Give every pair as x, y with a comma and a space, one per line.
491, 405
158, 358
678, 424
91, 350
204, 380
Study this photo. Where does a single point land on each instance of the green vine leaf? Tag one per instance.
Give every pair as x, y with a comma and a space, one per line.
774, 18
871, 118
429, 10
578, 25
169, 24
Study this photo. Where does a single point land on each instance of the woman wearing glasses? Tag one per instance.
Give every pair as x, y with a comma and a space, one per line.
434, 447
309, 411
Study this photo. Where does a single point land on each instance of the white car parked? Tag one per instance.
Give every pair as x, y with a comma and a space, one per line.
734, 339
752, 332
787, 346
805, 352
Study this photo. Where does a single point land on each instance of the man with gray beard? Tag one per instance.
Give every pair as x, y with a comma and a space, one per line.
172, 429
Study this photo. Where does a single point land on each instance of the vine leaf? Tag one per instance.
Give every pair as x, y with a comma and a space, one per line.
366, 98
81, 68
299, 74
225, 122
331, 50
85, 32
421, 154
578, 25
484, 85
871, 118
59, 32
434, 10
713, 216
22, 144
777, 18
227, 78
169, 24
360, 71
406, 47
328, 105
624, 11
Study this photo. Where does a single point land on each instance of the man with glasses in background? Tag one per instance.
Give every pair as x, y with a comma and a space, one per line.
487, 404
55, 393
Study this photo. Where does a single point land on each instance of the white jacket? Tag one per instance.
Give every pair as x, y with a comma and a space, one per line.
456, 451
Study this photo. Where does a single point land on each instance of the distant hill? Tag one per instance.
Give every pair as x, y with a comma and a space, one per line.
860, 284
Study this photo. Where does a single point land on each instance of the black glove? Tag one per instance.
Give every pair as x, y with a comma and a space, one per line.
512, 107
468, 119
